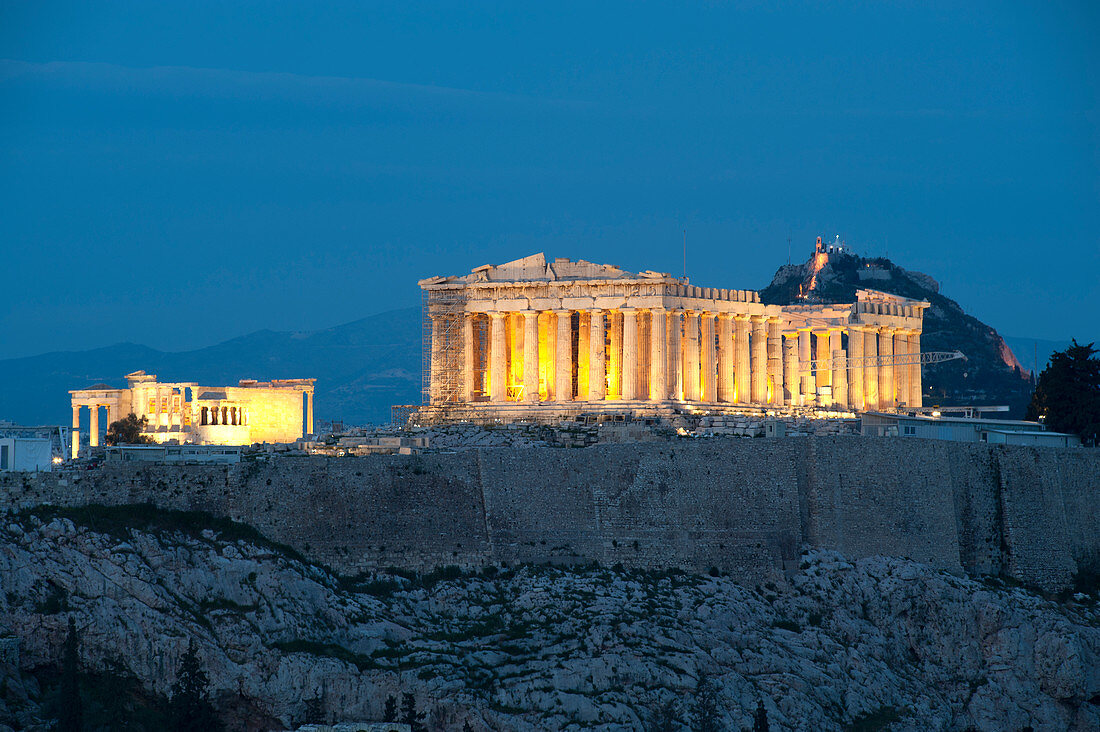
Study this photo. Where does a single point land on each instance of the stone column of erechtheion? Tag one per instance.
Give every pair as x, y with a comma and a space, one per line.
809, 382
887, 394
93, 425
707, 358
563, 356
630, 354
775, 361
498, 359
901, 371
742, 378
725, 357
76, 431
469, 358
855, 372
840, 370
791, 394
916, 389
658, 359
675, 354
530, 356
824, 373
759, 367
870, 370
597, 379
691, 356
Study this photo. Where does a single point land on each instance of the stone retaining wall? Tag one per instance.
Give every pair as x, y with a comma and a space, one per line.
743, 506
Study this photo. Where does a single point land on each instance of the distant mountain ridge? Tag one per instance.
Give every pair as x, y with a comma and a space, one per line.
362, 368
992, 374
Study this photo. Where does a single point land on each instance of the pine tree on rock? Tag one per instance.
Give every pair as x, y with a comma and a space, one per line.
664, 718
704, 709
1067, 395
72, 710
389, 713
190, 709
409, 715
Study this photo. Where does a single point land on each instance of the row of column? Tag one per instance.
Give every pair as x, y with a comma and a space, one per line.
663, 354
93, 424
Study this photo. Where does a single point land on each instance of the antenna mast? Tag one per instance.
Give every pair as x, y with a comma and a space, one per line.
685, 253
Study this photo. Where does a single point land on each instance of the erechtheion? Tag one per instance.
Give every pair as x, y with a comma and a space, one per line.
185, 412
538, 338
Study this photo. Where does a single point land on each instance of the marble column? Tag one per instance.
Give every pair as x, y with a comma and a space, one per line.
498, 359
597, 379
76, 432
855, 372
775, 361
658, 358
887, 390
309, 413
530, 356
840, 368
916, 389
675, 354
790, 370
709, 377
870, 372
630, 354
759, 360
563, 356
615, 355
691, 356
742, 378
434, 377
469, 357
808, 376
824, 370
901, 371
93, 426
725, 358
584, 352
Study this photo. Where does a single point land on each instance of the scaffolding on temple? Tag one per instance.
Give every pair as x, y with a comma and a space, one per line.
442, 391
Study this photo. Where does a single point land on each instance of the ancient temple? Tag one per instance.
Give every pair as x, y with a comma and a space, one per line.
188, 413
539, 338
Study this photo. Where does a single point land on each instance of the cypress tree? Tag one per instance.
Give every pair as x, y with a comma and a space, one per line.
190, 707
72, 710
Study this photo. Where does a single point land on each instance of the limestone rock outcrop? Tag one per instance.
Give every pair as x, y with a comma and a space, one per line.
538, 648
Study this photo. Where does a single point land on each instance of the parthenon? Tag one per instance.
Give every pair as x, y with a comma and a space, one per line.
185, 412
537, 338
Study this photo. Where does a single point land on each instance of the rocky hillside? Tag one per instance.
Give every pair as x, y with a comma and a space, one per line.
844, 645
990, 375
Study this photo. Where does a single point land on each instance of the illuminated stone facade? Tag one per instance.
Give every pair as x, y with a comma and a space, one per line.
185, 412
532, 337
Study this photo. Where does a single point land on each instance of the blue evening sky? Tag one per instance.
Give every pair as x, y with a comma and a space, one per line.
175, 174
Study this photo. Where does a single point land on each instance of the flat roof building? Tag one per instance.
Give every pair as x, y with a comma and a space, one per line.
964, 429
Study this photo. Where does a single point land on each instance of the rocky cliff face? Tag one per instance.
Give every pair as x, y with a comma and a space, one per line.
990, 375
537, 648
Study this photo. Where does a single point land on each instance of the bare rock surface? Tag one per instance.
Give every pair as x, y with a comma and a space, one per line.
537, 648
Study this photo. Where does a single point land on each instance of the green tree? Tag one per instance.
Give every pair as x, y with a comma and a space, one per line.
409, 715
190, 707
127, 431
389, 714
1067, 395
704, 708
760, 719
664, 718
72, 710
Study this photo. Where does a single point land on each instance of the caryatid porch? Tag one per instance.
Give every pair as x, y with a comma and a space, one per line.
576, 336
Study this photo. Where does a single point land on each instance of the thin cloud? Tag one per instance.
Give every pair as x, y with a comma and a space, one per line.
232, 84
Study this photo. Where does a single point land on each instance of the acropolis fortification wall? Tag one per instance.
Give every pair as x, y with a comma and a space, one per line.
743, 506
